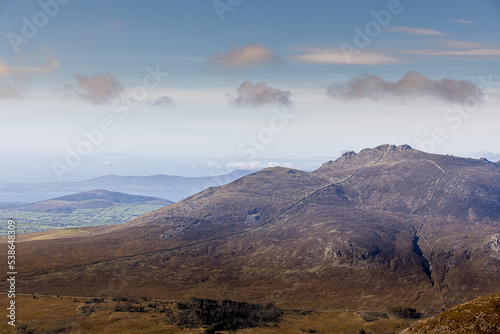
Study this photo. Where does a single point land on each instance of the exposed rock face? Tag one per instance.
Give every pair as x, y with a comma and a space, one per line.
393, 223
494, 246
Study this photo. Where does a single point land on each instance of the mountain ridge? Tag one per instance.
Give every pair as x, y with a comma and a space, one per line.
351, 223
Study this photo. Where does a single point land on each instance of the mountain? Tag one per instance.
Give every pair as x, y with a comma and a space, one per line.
385, 226
164, 186
479, 316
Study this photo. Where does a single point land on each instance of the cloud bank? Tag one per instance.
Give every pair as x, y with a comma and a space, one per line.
260, 94
247, 56
412, 84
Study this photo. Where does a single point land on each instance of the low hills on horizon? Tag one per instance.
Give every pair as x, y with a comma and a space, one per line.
386, 226
88, 208
170, 187
91, 199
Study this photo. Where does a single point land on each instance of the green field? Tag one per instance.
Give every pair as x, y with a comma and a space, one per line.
28, 222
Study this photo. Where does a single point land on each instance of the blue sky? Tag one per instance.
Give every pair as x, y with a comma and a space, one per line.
250, 83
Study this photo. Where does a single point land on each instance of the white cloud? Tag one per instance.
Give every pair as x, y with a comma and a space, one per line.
15, 80
472, 54
412, 84
97, 89
248, 94
107, 163
462, 21
464, 45
376, 56
249, 55
338, 56
416, 31
256, 165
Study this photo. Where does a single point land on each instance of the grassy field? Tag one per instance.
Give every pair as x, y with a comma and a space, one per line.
52, 314
28, 222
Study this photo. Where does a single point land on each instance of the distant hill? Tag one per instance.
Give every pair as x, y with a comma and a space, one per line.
386, 226
89, 208
11, 205
178, 187
168, 187
112, 196
479, 316
91, 199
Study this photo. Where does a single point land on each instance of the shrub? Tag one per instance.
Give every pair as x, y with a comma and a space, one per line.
125, 299
403, 312
127, 307
95, 301
224, 315
139, 308
372, 316
123, 307
296, 311
87, 309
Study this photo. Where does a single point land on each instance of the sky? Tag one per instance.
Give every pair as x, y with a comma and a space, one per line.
197, 88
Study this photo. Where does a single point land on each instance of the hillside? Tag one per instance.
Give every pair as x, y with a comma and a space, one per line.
479, 316
385, 226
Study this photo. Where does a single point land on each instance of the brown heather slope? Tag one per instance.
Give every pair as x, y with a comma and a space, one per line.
479, 316
386, 226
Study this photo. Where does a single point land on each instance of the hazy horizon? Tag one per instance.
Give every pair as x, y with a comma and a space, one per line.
186, 167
